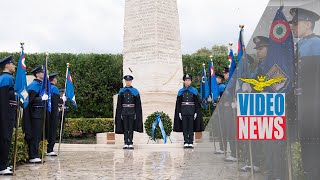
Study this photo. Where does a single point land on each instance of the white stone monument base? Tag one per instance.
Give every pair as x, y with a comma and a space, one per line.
142, 138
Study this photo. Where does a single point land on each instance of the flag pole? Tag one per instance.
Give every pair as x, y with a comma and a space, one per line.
212, 100
244, 63
243, 47
45, 112
63, 105
17, 128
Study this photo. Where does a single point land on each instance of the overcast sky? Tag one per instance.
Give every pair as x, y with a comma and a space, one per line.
96, 26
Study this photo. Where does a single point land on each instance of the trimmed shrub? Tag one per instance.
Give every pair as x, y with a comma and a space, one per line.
82, 127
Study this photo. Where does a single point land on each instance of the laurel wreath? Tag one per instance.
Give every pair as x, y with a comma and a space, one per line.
167, 124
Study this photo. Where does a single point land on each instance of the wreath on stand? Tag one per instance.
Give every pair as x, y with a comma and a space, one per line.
166, 121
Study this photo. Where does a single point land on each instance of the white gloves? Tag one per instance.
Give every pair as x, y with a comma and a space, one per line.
246, 87
195, 116
64, 98
233, 105
44, 97
180, 116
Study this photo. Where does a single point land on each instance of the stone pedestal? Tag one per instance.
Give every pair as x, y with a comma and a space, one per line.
105, 138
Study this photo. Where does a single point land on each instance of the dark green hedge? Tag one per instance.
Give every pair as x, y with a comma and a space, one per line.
82, 127
97, 77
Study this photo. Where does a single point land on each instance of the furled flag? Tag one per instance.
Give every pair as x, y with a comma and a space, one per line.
242, 67
280, 57
46, 87
204, 88
20, 86
213, 85
70, 89
232, 65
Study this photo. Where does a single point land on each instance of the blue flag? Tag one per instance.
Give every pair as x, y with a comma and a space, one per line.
204, 88
240, 45
46, 88
70, 89
280, 56
232, 63
242, 67
213, 85
20, 86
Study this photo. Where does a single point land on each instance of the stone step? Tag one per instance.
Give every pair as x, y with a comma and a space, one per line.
108, 147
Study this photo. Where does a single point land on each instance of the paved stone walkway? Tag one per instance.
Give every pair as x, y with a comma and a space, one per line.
145, 162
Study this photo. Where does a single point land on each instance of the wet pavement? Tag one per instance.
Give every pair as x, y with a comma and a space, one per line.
153, 162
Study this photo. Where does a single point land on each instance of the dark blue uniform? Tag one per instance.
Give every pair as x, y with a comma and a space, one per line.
33, 117
309, 46
308, 56
188, 104
221, 88
228, 122
53, 118
128, 114
7, 116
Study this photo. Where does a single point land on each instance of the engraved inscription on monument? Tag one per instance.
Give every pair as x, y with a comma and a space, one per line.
152, 45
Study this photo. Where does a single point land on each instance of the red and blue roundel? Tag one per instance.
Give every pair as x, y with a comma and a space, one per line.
23, 63
229, 61
212, 73
69, 77
280, 31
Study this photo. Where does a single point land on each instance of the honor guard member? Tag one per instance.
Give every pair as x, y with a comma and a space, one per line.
53, 116
221, 85
188, 114
221, 88
128, 113
228, 119
308, 47
303, 23
8, 106
33, 115
257, 67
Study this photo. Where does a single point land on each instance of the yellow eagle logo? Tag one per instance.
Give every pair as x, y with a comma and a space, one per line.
261, 83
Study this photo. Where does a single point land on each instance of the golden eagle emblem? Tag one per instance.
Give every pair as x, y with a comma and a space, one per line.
261, 83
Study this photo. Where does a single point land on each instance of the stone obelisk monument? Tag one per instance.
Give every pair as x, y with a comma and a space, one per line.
152, 54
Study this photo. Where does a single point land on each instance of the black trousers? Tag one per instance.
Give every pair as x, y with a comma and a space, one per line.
128, 121
4, 152
276, 160
228, 129
37, 126
5, 143
52, 134
310, 160
187, 125
257, 154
